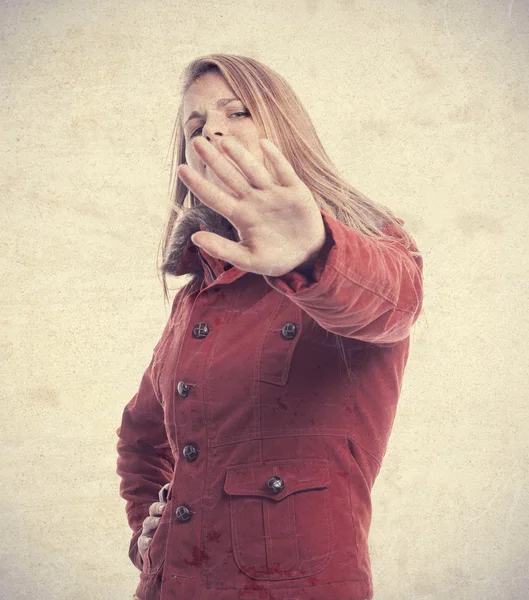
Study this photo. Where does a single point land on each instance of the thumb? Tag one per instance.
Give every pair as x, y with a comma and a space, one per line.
218, 247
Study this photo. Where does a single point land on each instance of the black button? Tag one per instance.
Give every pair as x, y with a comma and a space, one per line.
183, 513
190, 452
288, 331
183, 388
200, 330
276, 484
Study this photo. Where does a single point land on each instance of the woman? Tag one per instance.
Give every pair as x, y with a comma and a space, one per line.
249, 452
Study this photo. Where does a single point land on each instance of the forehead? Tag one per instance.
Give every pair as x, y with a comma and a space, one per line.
207, 88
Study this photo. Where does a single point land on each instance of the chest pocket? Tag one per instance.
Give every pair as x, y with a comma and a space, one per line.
283, 334
281, 518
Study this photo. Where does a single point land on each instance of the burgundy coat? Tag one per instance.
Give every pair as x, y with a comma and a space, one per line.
270, 435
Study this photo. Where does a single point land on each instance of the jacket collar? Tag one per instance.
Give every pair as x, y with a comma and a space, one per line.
213, 267
183, 257
194, 260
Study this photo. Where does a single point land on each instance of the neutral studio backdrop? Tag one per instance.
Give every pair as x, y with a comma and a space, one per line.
423, 106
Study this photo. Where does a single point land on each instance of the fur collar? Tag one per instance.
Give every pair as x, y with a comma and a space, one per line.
182, 256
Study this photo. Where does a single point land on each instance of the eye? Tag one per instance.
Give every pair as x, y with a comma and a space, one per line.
244, 113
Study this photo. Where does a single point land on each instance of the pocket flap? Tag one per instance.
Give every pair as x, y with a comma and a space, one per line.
251, 479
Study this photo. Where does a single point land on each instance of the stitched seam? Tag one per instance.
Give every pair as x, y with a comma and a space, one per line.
361, 282
294, 588
294, 432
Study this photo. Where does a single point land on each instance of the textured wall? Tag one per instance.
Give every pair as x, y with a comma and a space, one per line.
423, 105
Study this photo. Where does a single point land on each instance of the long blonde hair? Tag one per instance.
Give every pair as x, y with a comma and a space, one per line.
279, 116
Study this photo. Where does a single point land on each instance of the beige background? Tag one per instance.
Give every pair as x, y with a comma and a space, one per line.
423, 105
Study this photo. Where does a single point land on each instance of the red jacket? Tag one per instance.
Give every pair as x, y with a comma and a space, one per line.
271, 443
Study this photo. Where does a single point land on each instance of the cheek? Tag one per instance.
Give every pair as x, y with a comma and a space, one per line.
251, 143
193, 160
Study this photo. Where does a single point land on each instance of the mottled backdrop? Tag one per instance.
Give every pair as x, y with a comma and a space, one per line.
423, 105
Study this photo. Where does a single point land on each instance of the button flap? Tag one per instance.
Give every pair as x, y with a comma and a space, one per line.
276, 351
251, 479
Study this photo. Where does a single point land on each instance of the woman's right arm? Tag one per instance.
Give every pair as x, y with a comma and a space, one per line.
145, 460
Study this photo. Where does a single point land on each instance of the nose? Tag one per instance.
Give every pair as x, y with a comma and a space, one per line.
215, 138
214, 129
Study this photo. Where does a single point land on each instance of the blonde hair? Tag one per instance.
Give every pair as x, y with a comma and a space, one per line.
279, 116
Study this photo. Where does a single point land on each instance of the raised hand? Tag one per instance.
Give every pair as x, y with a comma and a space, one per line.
277, 219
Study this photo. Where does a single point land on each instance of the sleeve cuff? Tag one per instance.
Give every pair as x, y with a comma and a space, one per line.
134, 551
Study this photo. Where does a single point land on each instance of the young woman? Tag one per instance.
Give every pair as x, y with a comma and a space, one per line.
248, 455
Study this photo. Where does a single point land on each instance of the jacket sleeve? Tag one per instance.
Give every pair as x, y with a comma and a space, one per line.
145, 460
360, 287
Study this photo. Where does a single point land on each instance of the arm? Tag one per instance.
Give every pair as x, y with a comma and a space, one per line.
145, 460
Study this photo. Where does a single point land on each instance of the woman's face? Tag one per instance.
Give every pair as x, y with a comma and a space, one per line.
208, 96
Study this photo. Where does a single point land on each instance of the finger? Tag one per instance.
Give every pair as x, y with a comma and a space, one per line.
253, 169
150, 523
143, 544
285, 174
162, 494
156, 508
207, 192
219, 247
228, 172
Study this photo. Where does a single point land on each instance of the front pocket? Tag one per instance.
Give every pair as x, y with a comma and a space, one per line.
287, 534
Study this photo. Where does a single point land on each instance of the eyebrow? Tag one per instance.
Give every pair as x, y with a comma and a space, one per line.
222, 102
